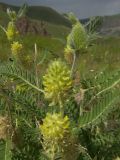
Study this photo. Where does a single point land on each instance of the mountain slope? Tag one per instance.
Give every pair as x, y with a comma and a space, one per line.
41, 13
111, 25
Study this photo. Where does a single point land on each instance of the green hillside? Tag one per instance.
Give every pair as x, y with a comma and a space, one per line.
41, 13
47, 14
111, 25
53, 29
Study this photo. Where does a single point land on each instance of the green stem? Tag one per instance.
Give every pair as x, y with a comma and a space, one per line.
3, 28
108, 88
53, 153
35, 62
30, 84
104, 90
36, 73
61, 106
73, 64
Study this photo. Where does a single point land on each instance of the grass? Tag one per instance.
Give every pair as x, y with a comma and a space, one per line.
3, 18
54, 30
104, 54
53, 47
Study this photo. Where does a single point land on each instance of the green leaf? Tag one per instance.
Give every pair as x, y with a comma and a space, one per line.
93, 24
101, 103
5, 150
20, 76
22, 10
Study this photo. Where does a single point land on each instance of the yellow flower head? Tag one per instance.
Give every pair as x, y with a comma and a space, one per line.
77, 39
16, 48
56, 81
11, 31
54, 127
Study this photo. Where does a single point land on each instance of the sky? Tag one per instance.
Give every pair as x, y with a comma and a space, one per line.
82, 8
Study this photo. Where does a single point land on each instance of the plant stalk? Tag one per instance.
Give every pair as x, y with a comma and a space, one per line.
73, 64
61, 106
35, 62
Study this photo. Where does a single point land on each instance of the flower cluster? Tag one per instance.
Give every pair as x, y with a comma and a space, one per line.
16, 48
54, 130
54, 127
56, 81
11, 31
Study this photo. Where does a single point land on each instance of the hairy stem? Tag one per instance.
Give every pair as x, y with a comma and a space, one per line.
73, 64
36, 72
61, 105
30, 84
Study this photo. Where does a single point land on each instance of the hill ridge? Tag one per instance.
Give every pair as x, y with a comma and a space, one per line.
42, 13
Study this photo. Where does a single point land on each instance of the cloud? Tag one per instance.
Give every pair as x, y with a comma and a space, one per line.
82, 8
